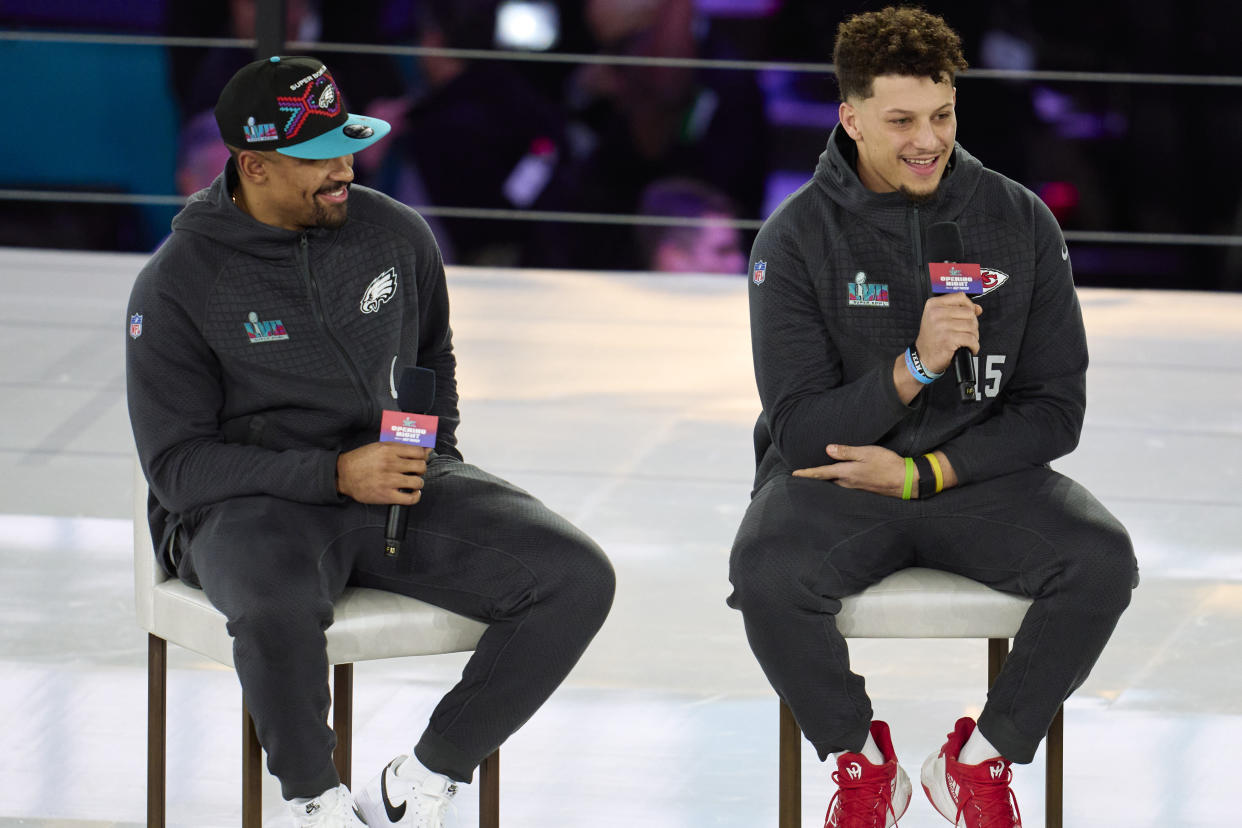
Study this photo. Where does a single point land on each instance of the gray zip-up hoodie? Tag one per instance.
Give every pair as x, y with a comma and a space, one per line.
256, 355
839, 280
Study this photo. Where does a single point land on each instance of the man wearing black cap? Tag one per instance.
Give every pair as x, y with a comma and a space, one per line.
266, 338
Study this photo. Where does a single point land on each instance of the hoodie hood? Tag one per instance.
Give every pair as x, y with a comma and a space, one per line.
836, 174
212, 213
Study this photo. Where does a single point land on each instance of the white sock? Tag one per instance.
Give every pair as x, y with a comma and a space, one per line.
977, 749
410, 768
871, 750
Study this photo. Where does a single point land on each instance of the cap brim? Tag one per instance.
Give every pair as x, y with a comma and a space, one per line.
339, 141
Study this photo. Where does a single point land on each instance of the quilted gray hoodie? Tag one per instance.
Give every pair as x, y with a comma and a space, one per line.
839, 279
256, 355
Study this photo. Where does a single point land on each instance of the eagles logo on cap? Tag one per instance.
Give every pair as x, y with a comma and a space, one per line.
318, 101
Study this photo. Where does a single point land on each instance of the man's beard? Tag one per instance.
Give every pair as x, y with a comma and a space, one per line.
919, 199
330, 218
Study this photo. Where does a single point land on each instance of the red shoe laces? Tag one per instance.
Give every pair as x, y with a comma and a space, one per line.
860, 801
990, 801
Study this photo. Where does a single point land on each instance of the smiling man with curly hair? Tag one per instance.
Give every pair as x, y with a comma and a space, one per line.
867, 464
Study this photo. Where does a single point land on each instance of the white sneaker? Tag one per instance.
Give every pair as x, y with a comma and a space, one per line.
406, 793
331, 809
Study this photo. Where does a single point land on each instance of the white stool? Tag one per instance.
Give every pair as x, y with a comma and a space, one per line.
369, 624
925, 603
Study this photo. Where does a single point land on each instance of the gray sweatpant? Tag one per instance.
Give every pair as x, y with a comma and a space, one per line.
804, 544
476, 545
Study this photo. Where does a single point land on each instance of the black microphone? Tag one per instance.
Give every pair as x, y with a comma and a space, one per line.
944, 244
415, 394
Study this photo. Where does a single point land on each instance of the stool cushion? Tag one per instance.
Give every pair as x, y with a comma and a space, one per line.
930, 603
369, 623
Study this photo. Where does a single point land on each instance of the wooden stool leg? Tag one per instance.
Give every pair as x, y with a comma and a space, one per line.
342, 721
1054, 746
252, 774
790, 781
489, 791
157, 734
998, 650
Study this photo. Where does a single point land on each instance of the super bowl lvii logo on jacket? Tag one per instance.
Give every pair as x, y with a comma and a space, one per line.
265, 331
865, 295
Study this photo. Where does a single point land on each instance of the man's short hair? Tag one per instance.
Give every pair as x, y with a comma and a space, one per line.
894, 41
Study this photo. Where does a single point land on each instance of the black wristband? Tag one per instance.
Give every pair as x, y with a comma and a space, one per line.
927, 477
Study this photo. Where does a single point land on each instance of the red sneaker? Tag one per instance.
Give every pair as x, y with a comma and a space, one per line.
869, 796
970, 796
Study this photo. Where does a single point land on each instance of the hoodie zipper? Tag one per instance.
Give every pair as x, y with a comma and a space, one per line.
316, 302
916, 236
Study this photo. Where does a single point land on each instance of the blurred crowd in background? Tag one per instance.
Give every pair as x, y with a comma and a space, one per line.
595, 138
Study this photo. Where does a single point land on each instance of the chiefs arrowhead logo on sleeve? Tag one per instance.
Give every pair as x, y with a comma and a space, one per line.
992, 279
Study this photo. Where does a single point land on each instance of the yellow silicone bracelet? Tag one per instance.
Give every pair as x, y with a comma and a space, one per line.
935, 464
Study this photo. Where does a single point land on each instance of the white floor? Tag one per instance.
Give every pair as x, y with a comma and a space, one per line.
625, 402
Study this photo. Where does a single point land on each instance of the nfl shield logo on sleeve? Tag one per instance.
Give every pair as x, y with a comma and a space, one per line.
135, 325
760, 272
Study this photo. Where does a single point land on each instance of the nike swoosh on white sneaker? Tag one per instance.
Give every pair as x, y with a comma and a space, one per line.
394, 813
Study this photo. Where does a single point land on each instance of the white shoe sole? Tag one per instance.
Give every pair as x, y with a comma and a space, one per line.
901, 797
372, 811
937, 790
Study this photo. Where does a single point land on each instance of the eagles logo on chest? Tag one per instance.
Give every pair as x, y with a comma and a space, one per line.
380, 290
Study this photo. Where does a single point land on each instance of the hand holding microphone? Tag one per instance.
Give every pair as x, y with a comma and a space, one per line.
374, 472
950, 320
948, 329
396, 463
412, 426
